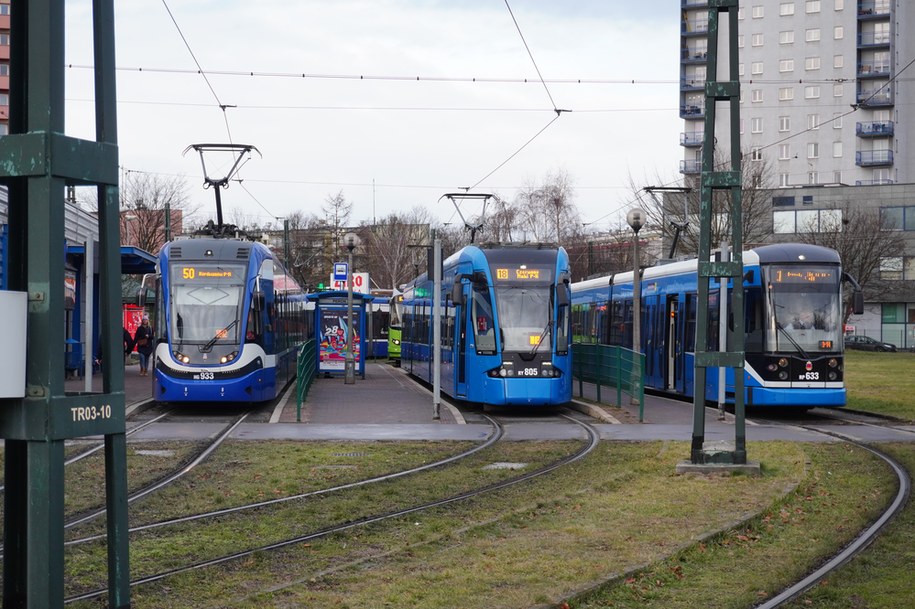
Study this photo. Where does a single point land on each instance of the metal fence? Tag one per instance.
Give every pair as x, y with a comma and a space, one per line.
305, 374
612, 367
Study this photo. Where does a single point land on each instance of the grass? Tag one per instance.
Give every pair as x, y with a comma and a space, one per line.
882, 383
543, 542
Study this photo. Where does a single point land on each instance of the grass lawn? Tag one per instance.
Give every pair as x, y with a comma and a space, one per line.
882, 383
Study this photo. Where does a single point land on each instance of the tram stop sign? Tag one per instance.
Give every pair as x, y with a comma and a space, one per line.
339, 271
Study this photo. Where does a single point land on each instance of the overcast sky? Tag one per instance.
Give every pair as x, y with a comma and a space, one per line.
416, 139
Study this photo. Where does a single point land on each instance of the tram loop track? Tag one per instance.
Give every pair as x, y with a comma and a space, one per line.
389, 503
866, 536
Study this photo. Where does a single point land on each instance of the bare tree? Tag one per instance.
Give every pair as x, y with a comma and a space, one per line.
666, 211
547, 212
391, 246
146, 200
863, 241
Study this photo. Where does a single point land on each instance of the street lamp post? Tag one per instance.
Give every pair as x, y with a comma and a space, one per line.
636, 219
350, 241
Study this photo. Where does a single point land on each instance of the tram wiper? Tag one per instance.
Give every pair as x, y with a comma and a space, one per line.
546, 329
793, 342
219, 334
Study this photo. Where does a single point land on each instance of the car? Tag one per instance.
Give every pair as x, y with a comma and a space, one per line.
866, 343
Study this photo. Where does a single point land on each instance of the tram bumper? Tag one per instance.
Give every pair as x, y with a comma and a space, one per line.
256, 384
530, 391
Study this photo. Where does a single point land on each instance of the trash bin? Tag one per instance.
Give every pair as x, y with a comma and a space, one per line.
73, 358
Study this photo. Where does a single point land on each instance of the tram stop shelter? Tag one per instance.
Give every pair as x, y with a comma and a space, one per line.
331, 323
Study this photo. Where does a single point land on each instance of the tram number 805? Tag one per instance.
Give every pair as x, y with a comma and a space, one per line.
529, 372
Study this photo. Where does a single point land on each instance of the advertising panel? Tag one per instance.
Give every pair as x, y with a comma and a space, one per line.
332, 339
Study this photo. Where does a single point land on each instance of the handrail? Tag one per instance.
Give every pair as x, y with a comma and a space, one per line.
305, 374
613, 366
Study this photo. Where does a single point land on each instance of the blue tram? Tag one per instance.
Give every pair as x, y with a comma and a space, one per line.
230, 322
792, 323
504, 326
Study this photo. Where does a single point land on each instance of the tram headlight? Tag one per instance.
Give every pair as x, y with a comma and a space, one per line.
772, 367
832, 375
783, 362
833, 363
783, 375
396, 341
503, 372
225, 359
181, 357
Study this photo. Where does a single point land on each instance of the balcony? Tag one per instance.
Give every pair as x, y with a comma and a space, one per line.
691, 167
873, 39
872, 9
694, 27
874, 70
689, 56
692, 139
875, 129
873, 158
693, 3
691, 112
875, 98
692, 84
873, 182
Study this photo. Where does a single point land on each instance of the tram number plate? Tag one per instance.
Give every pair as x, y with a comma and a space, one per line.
529, 372
204, 376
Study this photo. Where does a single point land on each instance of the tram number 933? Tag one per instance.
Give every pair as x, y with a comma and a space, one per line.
204, 376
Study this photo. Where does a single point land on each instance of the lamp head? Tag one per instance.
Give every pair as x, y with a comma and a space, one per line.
636, 219
351, 241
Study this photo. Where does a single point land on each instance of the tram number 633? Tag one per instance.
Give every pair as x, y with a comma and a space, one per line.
91, 413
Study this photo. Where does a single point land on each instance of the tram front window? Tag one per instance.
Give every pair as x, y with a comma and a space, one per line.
804, 310
524, 316
206, 300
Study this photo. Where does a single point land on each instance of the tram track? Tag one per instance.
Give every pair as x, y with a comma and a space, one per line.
865, 537
588, 446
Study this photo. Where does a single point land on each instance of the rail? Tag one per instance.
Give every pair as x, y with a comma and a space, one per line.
613, 366
305, 375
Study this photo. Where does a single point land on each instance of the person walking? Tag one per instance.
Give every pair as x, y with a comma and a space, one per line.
143, 339
128, 344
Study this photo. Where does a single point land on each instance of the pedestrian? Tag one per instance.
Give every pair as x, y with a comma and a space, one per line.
128, 344
143, 339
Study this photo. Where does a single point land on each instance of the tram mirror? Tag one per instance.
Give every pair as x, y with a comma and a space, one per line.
857, 302
479, 277
565, 277
457, 292
147, 285
748, 277
257, 298
562, 294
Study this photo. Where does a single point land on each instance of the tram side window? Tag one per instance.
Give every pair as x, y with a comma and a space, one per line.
617, 323
753, 305
483, 330
691, 307
713, 316
562, 332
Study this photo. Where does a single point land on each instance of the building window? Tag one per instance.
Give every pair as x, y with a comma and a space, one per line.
813, 178
897, 218
813, 121
784, 123
757, 40
786, 65
812, 92
836, 120
4, 9
813, 6
756, 154
758, 12
812, 63
838, 61
740, 41
782, 201
756, 68
891, 268
783, 222
786, 8
837, 150
786, 93
756, 125
756, 96
786, 37
838, 90
783, 180
813, 150
740, 70
840, 4
838, 32
784, 151
813, 35
4, 40
837, 177
807, 221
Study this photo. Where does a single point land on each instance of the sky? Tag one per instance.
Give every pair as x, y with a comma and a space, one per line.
402, 100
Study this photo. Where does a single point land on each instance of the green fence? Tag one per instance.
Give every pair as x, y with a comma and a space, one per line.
611, 367
306, 369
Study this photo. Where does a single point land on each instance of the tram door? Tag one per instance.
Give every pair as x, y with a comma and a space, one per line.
673, 343
461, 317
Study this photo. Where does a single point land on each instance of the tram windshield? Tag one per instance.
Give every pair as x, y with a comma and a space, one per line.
206, 303
804, 313
522, 294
